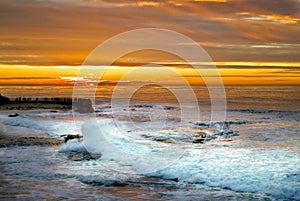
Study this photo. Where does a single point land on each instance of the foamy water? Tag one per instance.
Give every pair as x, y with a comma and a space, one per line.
263, 161
254, 156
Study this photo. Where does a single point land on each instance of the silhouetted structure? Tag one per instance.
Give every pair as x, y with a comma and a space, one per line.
63, 101
82, 105
79, 104
3, 99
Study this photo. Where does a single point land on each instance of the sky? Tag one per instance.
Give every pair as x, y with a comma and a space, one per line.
251, 41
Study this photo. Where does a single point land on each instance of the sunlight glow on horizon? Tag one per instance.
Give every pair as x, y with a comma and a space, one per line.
231, 73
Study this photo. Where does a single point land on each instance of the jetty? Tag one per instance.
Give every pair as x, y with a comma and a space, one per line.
80, 105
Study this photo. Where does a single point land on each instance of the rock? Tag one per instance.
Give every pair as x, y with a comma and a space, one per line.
13, 115
199, 140
102, 182
174, 179
168, 108
81, 156
71, 137
160, 139
8, 141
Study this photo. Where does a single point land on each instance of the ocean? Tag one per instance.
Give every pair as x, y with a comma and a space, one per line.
149, 152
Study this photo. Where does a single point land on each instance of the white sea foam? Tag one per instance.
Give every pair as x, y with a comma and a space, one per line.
73, 146
270, 171
263, 171
267, 171
143, 155
50, 127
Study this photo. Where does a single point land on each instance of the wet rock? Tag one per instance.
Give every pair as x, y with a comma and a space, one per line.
71, 137
214, 130
8, 141
102, 182
174, 179
201, 137
81, 156
169, 108
13, 115
146, 136
199, 140
160, 139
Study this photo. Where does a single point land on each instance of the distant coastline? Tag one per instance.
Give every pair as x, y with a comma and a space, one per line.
66, 101
25, 103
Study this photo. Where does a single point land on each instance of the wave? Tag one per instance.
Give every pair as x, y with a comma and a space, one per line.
241, 170
264, 171
257, 171
72, 146
76, 151
115, 144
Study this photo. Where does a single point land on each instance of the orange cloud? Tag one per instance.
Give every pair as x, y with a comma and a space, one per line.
54, 33
148, 3
217, 1
273, 18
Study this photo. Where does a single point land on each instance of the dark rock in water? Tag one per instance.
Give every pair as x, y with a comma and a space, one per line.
204, 124
102, 182
168, 108
53, 111
13, 115
199, 140
81, 156
238, 122
228, 133
146, 136
201, 137
160, 139
214, 130
174, 179
142, 106
202, 134
71, 137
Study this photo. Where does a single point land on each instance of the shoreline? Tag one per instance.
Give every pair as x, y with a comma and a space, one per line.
11, 141
13, 109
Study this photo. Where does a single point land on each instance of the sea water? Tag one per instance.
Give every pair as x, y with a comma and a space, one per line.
258, 160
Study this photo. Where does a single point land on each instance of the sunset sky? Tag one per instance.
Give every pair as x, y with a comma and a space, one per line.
251, 41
